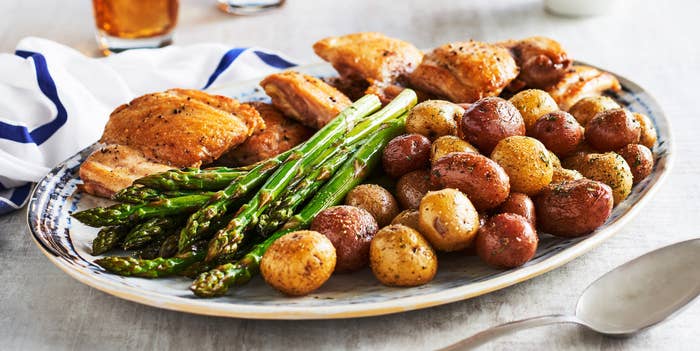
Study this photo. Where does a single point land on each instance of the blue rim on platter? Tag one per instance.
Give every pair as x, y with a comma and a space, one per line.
67, 244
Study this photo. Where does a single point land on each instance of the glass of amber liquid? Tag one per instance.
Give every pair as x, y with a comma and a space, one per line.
131, 24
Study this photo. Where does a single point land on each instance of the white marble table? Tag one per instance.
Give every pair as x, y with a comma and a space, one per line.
653, 42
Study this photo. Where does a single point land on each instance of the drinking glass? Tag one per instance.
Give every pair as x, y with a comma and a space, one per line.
248, 7
131, 24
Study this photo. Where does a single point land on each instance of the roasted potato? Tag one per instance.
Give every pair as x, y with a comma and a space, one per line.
406, 153
612, 129
640, 160
434, 118
448, 144
533, 104
483, 180
611, 169
400, 256
573, 208
299, 262
507, 240
585, 109
411, 188
408, 218
376, 200
561, 174
527, 163
559, 132
555, 160
350, 229
489, 120
647, 136
519, 204
448, 219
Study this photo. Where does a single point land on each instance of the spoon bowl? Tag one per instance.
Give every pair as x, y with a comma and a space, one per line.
634, 296
642, 292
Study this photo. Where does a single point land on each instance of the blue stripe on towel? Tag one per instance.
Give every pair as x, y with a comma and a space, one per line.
42, 133
274, 60
224, 63
16, 200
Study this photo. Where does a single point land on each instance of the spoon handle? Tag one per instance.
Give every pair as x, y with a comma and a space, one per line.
503, 329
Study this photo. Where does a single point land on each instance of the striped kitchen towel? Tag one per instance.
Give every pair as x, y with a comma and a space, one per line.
55, 101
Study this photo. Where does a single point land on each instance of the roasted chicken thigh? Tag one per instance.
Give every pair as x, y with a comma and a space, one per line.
580, 82
542, 61
307, 99
465, 71
369, 56
182, 128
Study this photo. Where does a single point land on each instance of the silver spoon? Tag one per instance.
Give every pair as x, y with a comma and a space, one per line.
637, 295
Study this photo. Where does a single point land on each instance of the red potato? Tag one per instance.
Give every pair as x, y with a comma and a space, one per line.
411, 188
519, 204
640, 159
406, 153
573, 208
507, 240
489, 120
612, 129
485, 182
559, 132
350, 229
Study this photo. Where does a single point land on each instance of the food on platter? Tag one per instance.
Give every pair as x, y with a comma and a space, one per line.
115, 167
350, 229
573, 208
581, 82
400, 256
370, 59
307, 99
485, 182
474, 172
379, 202
506, 240
585, 109
434, 118
411, 188
465, 71
299, 262
278, 135
612, 129
533, 104
542, 61
448, 219
489, 120
640, 160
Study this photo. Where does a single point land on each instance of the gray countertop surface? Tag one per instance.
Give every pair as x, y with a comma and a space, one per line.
652, 42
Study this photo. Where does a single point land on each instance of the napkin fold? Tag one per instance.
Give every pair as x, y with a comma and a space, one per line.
55, 101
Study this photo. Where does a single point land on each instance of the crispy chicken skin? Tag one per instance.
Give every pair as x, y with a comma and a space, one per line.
115, 167
580, 82
307, 99
369, 56
465, 71
182, 127
542, 61
279, 135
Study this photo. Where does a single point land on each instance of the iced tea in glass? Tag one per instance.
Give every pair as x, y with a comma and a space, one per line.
130, 24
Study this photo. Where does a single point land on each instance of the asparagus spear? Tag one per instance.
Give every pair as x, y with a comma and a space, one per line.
169, 246
227, 239
130, 213
199, 223
150, 230
217, 281
137, 194
284, 208
189, 178
108, 238
152, 268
